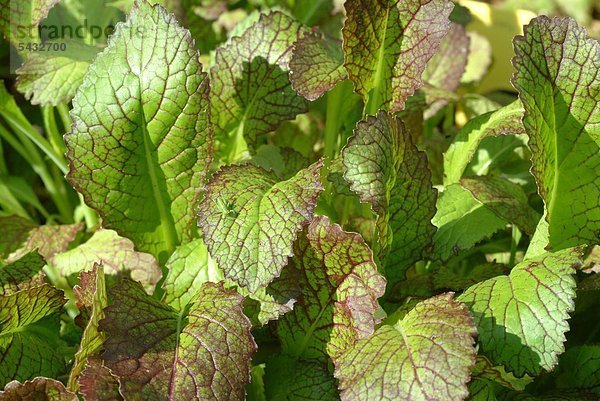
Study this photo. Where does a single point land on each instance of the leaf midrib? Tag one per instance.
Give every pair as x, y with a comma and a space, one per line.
377, 78
166, 220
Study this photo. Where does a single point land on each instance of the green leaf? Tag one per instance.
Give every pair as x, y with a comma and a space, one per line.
480, 58
578, 367
251, 93
506, 199
250, 220
15, 231
93, 285
447, 65
340, 286
21, 274
284, 162
117, 254
462, 221
558, 83
16, 15
521, 318
290, 379
311, 12
52, 77
47, 240
504, 121
38, 389
202, 353
428, 355
189, 267
141, 164
96, 383
317, 65
387, 44
385, 168
485, 370
454, 277
29, 343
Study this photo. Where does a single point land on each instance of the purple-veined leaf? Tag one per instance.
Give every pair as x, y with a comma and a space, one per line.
117, 255
250, 220
91, 293
96, 383
38, 389
158, 353
522, 318
340, 286
559, 86
140, 165
250, 88
29, 341
387, 44
317, 65
386, 170
425, 356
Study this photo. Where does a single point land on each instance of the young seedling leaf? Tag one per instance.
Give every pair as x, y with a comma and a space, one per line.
522, 318
427, 355
385, 168
251, 93
117, 255
559, 86
29, 341
387, 44
317, 65
202, 353
141, 164
189, 267
340, 286
250, 220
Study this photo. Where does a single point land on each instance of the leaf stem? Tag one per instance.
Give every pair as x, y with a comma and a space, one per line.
63, 112
335, 99
61, 282
24, 128
29, 152
51, 129
514, 242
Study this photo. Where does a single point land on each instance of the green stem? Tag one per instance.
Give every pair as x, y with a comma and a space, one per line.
24, 129
52, 130
3, 166
13, 142
61, 282
30, 153
63, 112
515, 238
91, 217
335, 100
